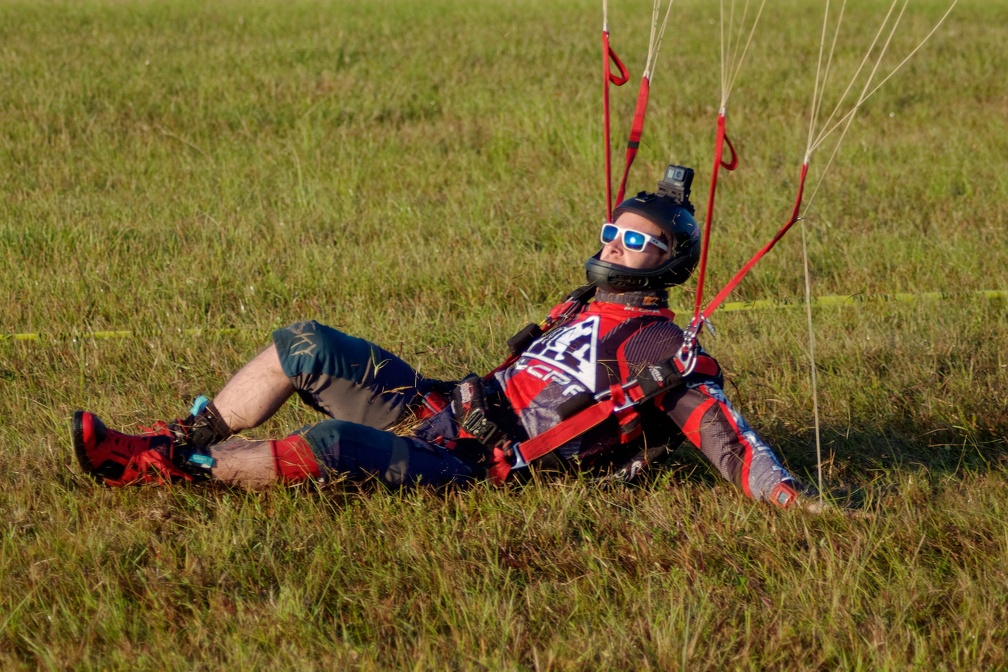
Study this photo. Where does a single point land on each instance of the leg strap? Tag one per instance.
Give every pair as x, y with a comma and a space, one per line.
295, 462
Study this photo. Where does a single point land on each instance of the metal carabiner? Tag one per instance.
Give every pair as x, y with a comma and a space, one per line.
687, 355
687, 359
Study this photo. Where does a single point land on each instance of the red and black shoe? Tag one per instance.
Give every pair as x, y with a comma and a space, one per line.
116, 459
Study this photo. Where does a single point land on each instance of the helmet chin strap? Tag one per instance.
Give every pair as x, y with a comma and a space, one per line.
606, 275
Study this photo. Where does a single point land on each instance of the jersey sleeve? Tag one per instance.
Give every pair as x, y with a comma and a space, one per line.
706, 418
709, 421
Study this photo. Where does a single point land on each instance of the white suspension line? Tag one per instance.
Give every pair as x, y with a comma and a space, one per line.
654, 45
733, 37
819, 90
812, 360
808, 204
814, 107
848, 118
871, 76
651, 41
868, 90
725, 49
911, 54
731, 58
737, 62
817, 96
829, 61
861, 66
814, 141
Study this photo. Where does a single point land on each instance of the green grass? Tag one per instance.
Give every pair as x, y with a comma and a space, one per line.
427, 175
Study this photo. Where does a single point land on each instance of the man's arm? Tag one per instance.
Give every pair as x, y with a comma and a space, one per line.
711, 423
706, 417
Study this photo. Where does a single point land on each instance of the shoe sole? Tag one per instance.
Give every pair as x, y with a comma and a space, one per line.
77, 428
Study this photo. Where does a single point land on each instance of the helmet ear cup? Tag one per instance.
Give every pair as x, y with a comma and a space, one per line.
684, 236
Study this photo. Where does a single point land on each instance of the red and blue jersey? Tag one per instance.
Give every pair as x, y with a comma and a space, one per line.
607, 343
610, 343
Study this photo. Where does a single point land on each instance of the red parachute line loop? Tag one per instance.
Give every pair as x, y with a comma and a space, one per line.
624, 75
636, 130
733, 164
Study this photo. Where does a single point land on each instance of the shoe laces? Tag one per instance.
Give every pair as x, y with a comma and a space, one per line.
173, 430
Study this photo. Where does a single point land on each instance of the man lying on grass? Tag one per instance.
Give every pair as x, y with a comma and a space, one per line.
612, 342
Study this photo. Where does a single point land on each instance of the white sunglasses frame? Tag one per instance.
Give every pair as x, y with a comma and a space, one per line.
621, 234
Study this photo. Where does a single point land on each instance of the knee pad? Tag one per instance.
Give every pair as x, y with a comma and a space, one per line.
294, 460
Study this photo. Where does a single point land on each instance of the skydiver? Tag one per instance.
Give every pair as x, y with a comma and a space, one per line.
597, 343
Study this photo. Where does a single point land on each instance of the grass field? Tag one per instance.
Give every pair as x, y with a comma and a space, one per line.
427, 174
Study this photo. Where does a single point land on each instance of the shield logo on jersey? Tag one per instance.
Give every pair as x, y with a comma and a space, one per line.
572, 349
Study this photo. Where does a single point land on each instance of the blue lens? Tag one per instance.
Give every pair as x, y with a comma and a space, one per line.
634, 240
609, 233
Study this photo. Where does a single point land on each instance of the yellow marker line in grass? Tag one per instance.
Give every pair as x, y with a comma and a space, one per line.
119, 333
854, 299
834, 301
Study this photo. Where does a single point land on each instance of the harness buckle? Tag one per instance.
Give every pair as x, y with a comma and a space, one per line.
519, 459
481, 428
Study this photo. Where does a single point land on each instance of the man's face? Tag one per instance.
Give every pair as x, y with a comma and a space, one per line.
650, 257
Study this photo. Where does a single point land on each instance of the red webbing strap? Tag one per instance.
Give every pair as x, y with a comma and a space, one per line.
508, 361
571, 428
608, 57
624, 399
636, 130
719, 142
723, 294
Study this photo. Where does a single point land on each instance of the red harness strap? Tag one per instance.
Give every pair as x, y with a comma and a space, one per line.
568, 430
620, 402
636, 130
723, 294
608, 57
699, 318
719, 143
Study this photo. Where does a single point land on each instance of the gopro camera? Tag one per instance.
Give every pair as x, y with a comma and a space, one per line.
676, 184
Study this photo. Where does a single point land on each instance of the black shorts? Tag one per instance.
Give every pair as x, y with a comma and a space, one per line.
346, 377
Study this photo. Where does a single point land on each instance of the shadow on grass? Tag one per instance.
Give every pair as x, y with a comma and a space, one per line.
874, 456
859, 466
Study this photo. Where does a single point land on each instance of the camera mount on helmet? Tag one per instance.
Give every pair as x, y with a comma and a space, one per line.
676, 185
670, 209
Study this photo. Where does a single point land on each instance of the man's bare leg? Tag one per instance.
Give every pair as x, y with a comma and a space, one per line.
176, 449
258, 464
255, 393
245, 463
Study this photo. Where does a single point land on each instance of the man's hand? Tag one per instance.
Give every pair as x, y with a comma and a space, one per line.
787, 495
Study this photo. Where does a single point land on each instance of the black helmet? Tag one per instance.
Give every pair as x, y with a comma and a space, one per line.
673, 213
